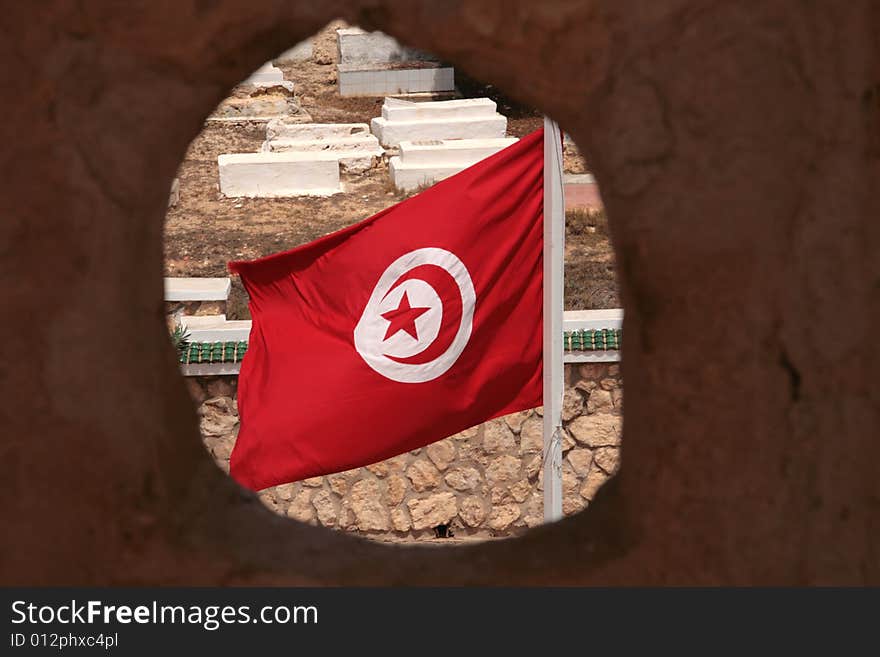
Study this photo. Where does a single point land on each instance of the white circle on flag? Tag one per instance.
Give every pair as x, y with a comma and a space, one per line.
403, 319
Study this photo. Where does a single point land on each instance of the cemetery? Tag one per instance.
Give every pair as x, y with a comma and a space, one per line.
234, 196
281, 172
424, 162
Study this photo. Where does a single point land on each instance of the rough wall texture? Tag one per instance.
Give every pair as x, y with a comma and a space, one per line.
484, 482
737, 146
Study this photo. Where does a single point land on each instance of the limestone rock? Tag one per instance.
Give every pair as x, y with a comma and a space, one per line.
218, 416
585, 386
285, 491
533, 467
520, 490
438, 509
220, 447
423, 475
599, 402
346, 519
472, 451
301, 507
503, 516
503, 469
572, 404
580, 460
515, 420
441, 453
617, 399
593, 482
268, 500
497, 437
608, 384
218, 425
472, 512
608, 458
313, 482
395, 489
223, 404
397, 463
463, 478
400, 520
570, 480
499, 495
340, 482
572, 504
379, 469
531, 437
325, 507
467, 434
567, 441
601, 430
366, 504
533, 510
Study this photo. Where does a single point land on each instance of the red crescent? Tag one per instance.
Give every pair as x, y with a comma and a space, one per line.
450, 298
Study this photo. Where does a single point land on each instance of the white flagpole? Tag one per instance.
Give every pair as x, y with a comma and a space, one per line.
554, 245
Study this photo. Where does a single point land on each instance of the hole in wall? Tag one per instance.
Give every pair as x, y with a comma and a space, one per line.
444, 530
483, 483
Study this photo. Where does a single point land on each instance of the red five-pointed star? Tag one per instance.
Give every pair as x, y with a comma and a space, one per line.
403, 318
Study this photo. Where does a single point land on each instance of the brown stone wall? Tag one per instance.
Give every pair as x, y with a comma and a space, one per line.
737, 146
483, 482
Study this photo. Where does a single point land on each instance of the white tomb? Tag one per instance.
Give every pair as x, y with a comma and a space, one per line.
427, 162
272, 175
379, 80
352, 143
285, 128
397, 109
174, 194
356, 46
403, 120
216, 328
366, 143
202, 321
375, 64
354, 154
197, 289
268, 75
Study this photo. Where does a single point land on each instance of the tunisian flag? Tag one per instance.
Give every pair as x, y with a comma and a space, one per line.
406, 328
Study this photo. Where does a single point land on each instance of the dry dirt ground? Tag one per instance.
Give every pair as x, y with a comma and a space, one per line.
205, 230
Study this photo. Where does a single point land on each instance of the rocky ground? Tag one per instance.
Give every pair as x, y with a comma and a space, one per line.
205, 230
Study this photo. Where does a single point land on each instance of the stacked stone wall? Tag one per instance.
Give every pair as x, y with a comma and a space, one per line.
484, 482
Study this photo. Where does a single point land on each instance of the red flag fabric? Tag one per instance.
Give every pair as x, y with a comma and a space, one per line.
398, 331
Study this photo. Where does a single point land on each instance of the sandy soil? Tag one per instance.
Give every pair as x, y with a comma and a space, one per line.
205, 230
